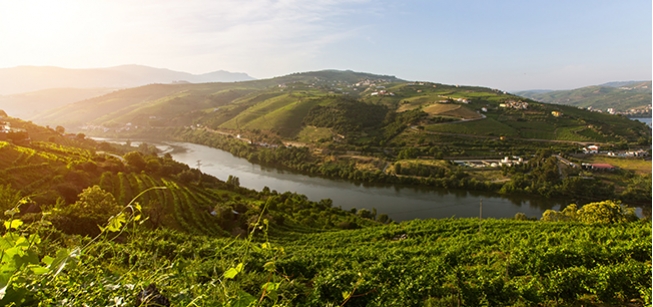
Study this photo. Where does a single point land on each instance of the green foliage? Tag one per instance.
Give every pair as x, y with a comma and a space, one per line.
135, 159
604, 212
346, 116
8, 197
95, 206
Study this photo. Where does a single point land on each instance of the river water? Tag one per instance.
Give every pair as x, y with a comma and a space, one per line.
400, 203
646, 120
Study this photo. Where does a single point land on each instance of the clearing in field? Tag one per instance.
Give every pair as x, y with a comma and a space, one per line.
453, 110
415, 102
487, 126
312, 134
642, 167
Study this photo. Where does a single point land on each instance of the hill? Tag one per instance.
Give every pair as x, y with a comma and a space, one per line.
169, 234
173, 103
372, 128
287, 105
23, 79
53, 169
621, 96
28, 105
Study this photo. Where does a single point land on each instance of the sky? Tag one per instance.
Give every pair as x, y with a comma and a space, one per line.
509, 45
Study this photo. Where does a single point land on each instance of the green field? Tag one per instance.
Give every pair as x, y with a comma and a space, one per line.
482, 127
638, 166
310, 134
447, 262
205, 242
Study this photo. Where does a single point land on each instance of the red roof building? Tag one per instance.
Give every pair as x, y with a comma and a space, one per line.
602, 167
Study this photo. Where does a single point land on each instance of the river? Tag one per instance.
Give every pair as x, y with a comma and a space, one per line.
400, 203
646, 120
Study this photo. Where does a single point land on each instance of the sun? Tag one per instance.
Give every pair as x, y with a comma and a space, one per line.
40, 31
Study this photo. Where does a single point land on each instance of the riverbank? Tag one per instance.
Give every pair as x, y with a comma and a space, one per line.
544, 176
400, 202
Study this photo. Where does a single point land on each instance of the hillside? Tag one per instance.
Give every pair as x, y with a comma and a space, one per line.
183, 238
281, 106
380, 129
24, 79
28, 105
621, 96
54, 168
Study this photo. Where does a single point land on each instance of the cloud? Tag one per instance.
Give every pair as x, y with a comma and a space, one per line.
259, 36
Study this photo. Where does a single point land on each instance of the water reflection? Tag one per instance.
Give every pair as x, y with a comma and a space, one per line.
399, 202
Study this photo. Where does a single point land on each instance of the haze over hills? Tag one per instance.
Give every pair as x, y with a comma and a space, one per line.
33, 78
27, 105
175, 101
619, 95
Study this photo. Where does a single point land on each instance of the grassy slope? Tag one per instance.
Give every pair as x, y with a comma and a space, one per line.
599, 97
263, 105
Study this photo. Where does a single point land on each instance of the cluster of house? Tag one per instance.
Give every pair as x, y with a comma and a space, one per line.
94, 127
629, 153
382, 93
5, 127
512, 104
636, 112
593, 149
506, 161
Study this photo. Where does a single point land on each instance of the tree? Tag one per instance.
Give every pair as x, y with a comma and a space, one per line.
60, 129
233, 180
607, 212
186, 176
135, 160
384, 218
93, 207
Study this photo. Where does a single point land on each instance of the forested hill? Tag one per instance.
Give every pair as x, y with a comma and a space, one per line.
621, 96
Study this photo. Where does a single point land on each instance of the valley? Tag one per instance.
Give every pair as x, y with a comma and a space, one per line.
328, 187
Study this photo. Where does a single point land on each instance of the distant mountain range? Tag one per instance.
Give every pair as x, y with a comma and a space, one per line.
28, 105
619, 95
26, 91
23, 79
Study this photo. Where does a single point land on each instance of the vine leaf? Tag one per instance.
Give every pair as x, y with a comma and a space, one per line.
232, 272
14, 224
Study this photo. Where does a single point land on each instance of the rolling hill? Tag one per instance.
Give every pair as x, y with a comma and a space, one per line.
23, 79
620, 96
342, 102
206, 242
28, 105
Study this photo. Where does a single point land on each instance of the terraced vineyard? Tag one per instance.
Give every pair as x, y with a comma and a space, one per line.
205, 242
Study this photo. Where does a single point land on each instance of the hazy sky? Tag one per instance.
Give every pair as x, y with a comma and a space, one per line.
511, 45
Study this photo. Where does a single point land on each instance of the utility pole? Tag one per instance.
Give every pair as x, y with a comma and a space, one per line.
199, 163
